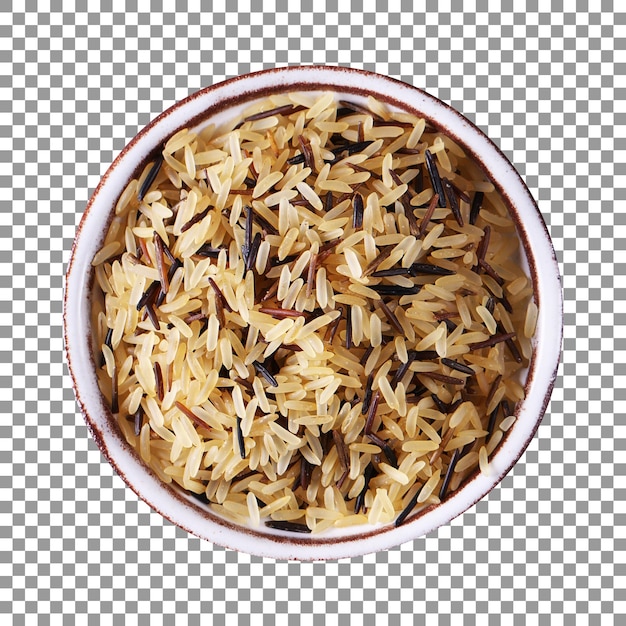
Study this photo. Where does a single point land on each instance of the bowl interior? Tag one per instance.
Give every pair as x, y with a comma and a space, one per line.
221, 104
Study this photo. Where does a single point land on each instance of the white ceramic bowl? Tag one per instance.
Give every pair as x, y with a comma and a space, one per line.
218, 101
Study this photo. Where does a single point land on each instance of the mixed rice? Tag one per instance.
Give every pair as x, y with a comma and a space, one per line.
314, 317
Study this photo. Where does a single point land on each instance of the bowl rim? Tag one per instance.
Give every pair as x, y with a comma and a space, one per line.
199, 106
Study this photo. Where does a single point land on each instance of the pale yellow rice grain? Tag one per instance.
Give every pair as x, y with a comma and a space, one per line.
283, 283
431, 338
428, 430
144, 443
507, 422
387, 391
393, 473
459, 442
493, 442
460, 414
483, 461
279, 330
530, 322
106, 252
469, 460
517, 285
240, 408
440, 292
420, 447
416, 133
432, 236
400, 394
351, 520
375, 330
488, 319
284, 434
310, 195
495, 400
283, 463
365, 448
287, 243
253, 509
429, 487
376, 509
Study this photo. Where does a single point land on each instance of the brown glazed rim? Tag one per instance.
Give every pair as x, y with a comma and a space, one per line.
100, 437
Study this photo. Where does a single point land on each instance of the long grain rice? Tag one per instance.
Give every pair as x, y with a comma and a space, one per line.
344, 297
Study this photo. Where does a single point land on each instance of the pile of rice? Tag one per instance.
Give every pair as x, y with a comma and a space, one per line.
314, 317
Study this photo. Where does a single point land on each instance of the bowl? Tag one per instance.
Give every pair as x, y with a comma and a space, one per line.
218, 102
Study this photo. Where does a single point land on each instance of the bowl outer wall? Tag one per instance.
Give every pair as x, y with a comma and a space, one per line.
77, 311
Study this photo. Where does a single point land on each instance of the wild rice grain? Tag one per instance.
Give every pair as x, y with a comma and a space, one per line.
192, 416
357, 219
428, 215
253, 252
150, 177
460, 367
492, 341
492, 423
409, 507
435, 179
458, 453
393, 290
286, 109
476, 205
453, 200
289, 526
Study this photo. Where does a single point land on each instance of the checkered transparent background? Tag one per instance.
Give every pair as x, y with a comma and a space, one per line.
79, 79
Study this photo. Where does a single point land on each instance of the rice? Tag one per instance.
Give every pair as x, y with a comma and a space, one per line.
298, 330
